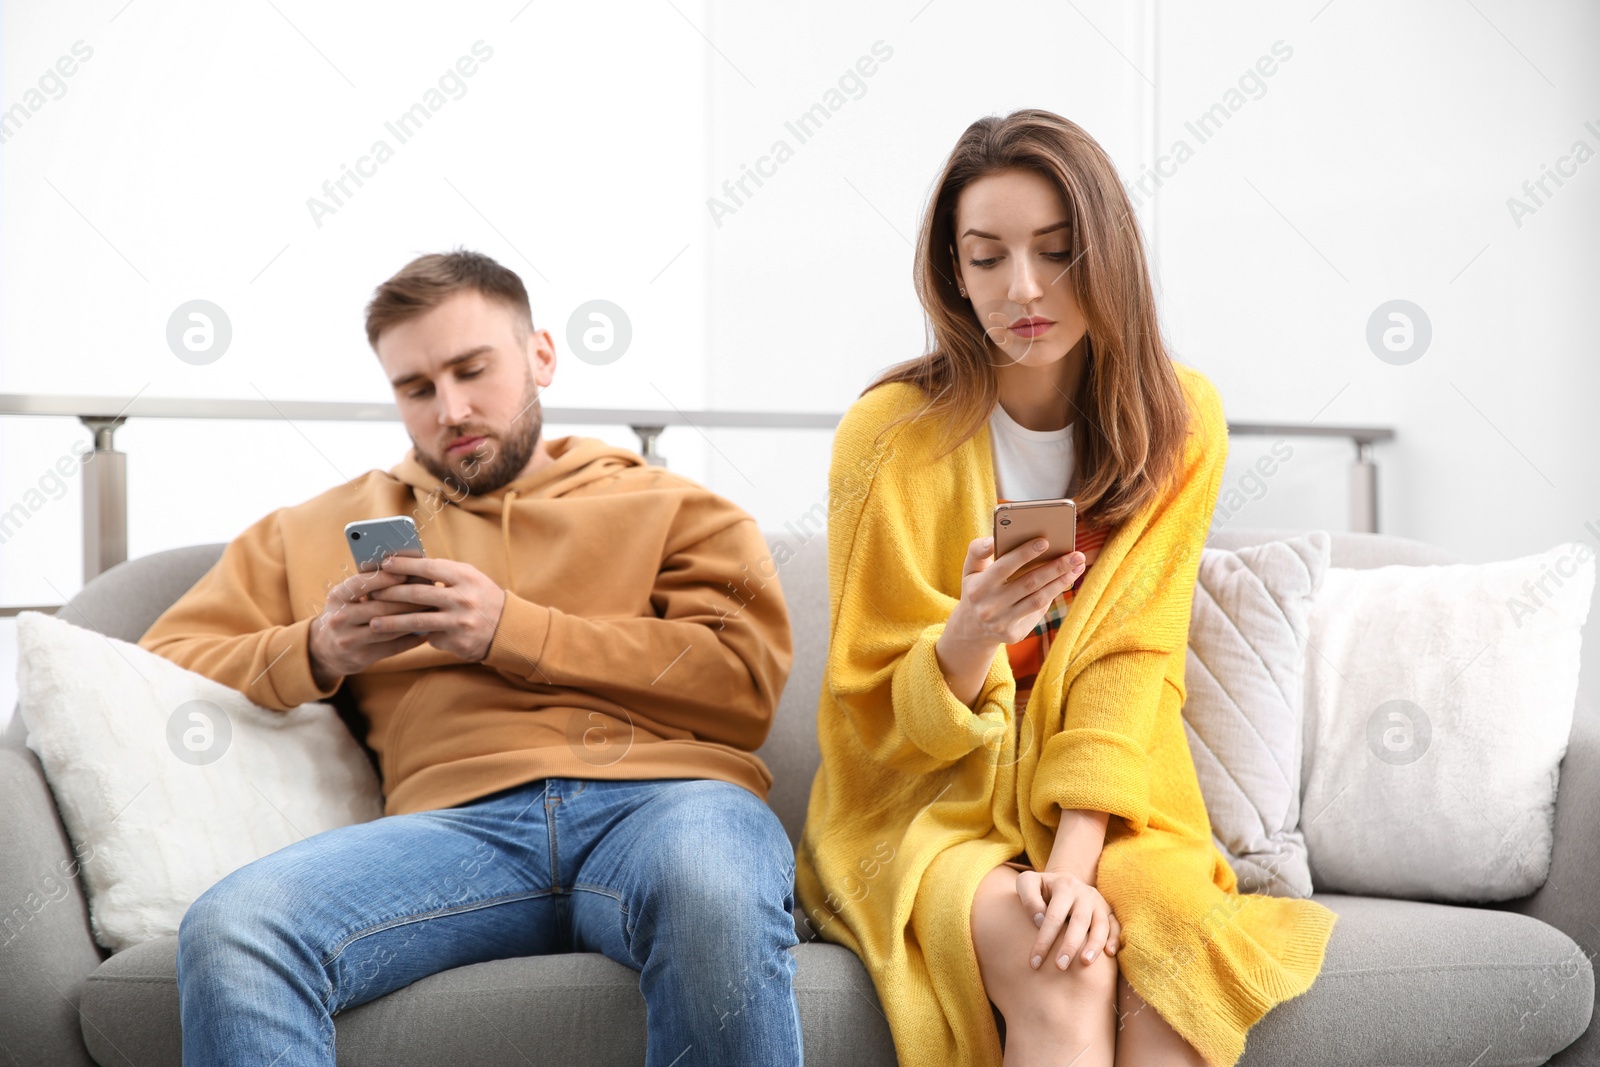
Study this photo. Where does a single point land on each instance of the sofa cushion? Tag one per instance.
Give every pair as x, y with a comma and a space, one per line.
1403, 982
166, 780
1408, 982
1243, 708
1439, 701
573, 1008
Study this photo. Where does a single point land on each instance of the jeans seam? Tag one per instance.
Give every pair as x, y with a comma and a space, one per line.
605, 891
402, 920
550, 806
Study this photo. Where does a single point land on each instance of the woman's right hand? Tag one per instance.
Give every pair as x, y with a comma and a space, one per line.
993, 611
996, 608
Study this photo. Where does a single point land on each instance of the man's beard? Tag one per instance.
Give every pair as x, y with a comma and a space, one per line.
491, 463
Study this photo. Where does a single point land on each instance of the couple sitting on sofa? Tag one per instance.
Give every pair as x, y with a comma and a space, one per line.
565, 707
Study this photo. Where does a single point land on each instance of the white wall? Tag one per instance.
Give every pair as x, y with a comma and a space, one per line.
1378, 165
1374, 163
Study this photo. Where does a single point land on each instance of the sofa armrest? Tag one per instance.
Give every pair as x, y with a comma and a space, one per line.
1568, 900
46, 949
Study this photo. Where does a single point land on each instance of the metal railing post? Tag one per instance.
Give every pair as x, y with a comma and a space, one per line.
1364, 490
105, 499
648, 436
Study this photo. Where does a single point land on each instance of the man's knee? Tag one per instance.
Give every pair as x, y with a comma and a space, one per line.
248, 907
723, 832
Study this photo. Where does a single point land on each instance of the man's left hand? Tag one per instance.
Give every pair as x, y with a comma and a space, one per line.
468, 602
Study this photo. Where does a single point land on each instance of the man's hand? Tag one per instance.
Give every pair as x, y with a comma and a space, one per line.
468, 605
342, 642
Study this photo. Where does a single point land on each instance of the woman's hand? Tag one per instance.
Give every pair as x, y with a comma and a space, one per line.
993, 611
1060, 902
998, 608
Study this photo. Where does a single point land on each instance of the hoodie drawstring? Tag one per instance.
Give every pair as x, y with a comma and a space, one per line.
505, 536
448, 551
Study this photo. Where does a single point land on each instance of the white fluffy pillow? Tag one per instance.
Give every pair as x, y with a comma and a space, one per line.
170, 780
1243, 710
1438, 704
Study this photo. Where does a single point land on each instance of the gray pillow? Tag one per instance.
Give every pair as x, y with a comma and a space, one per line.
1244, 704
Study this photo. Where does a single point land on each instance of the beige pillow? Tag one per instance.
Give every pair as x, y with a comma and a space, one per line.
1244, 705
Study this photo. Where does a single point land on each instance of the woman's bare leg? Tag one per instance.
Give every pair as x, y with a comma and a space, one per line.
1053, 1017
1144, 1038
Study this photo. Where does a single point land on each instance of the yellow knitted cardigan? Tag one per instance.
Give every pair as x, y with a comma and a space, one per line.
919, 796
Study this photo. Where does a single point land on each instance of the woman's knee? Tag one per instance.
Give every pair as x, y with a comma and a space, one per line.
1004, 936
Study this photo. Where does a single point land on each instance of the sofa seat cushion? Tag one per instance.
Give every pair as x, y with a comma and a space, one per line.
1404, 982
545, 1010
1415, 983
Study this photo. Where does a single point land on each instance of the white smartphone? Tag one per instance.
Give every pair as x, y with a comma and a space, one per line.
373, 540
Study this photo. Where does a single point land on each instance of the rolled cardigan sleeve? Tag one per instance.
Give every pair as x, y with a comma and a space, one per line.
1100, 761
929, 713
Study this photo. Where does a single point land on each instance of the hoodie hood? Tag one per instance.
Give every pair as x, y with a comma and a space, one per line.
576, 462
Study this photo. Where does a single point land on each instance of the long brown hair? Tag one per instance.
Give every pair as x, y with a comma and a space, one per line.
1132, 417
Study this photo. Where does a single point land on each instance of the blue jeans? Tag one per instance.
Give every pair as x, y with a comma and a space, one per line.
688, 882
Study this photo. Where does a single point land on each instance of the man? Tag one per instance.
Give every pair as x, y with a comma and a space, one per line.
564, 713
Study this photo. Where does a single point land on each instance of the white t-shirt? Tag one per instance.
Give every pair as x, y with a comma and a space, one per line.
1030, 464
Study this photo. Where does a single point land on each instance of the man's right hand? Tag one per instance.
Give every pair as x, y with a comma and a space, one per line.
343, 642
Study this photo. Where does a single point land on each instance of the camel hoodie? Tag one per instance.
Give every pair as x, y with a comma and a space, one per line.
644, 633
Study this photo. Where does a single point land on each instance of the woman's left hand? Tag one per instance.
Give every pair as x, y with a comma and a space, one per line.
1061, 903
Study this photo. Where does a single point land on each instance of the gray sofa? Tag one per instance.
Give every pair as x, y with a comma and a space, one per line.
1404, 982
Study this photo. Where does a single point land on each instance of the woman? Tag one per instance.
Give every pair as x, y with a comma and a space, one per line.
1007, 811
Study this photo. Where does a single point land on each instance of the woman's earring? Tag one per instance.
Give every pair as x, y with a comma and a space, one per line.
963, 292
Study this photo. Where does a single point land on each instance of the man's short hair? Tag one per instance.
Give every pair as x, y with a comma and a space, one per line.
425, 282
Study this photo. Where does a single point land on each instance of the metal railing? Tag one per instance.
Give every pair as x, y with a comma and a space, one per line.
105, 470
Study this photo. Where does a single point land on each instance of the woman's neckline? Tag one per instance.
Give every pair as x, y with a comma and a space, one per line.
1003, 418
